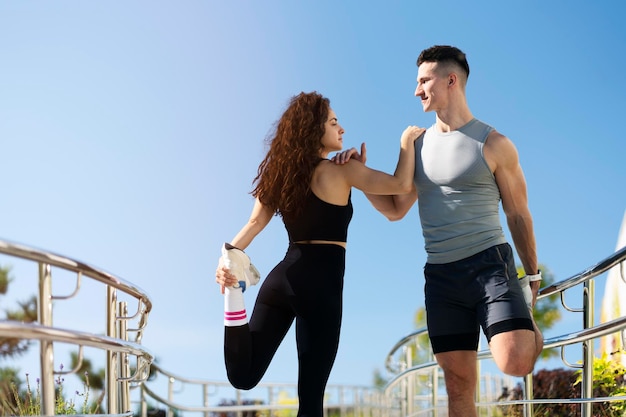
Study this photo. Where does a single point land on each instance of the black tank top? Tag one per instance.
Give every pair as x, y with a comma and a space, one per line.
320, 220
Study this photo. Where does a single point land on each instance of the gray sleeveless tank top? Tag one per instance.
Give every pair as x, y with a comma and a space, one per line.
458, 197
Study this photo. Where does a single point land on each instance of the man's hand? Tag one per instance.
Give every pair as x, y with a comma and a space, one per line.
343, 157
534, 287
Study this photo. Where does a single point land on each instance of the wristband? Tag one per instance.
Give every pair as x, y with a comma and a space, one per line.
535, 277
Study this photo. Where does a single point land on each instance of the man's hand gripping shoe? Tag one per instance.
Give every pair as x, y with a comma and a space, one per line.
524, 282
240, 266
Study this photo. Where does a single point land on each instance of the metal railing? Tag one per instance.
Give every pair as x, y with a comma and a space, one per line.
405, 398
414, 390
214, 398
115, 342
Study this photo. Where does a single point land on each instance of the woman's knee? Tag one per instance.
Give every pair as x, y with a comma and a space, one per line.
243, 385
242, 381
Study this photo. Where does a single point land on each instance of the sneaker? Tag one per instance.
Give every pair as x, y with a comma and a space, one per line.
524, 283
240, 266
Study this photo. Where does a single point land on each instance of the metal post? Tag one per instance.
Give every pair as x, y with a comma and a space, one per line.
588, 318
238, 397
46, 350
342, 406
435, 391
410, 389
478, 385
528, 390
205, 398
124, 367
486, 382
111, 368
170, 395
402, 388
144, 403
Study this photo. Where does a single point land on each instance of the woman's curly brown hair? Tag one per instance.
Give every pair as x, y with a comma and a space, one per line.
284, 177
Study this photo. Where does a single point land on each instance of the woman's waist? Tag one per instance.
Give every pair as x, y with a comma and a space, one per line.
321, 242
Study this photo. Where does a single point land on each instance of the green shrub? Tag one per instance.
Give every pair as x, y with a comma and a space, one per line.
608, 381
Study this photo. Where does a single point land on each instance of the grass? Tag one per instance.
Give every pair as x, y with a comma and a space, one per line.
28, 403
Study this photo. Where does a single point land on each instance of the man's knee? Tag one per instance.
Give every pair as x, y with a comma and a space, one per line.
460, 372
515, 352
460, 384
517, 367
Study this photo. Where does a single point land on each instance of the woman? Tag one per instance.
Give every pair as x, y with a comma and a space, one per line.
312, 195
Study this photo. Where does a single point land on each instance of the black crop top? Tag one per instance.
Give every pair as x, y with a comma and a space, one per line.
320, 221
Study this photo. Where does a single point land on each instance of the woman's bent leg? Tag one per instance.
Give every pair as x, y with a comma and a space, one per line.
249, 349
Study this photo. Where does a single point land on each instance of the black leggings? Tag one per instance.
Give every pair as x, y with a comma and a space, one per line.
306, 285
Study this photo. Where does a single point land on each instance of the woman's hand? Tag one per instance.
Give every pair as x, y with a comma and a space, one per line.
224, 278
343, 157
410, 135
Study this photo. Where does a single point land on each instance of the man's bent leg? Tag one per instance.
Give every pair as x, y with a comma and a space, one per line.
516, 351
514, 338
460, 373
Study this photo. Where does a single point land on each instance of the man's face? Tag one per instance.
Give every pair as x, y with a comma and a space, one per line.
431, 87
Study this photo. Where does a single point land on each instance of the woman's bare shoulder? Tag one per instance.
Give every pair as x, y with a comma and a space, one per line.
329, 182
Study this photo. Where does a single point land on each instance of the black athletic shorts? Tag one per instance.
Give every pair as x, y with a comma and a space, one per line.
481, 290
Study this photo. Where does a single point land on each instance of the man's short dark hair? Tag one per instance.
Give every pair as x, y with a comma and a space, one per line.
445, 54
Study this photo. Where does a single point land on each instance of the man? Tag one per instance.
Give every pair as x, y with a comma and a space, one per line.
464, 168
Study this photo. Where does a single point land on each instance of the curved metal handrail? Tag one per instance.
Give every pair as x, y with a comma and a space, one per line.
19, 330
217, 408
591, 272
115, 343
336, 395
400, 344
38, 255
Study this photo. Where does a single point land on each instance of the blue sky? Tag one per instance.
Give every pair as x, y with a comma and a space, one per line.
131, 133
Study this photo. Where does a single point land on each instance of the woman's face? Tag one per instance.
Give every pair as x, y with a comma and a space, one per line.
332, 140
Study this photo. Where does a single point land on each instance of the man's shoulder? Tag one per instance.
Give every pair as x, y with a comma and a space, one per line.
498, 149
496, 137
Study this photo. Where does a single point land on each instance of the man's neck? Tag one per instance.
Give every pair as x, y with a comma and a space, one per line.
453, 118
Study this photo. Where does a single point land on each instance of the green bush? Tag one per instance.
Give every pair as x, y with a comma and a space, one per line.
608, 381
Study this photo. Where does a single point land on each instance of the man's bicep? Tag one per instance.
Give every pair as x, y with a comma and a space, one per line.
513, 193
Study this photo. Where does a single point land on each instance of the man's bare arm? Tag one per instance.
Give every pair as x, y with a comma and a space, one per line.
503, 157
